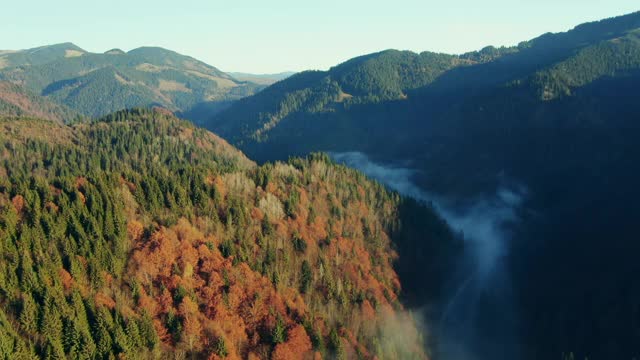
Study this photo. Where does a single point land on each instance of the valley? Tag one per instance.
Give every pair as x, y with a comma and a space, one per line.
396, 205
553, 118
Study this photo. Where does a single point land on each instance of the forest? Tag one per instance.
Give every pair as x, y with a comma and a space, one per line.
134, 234
141, 236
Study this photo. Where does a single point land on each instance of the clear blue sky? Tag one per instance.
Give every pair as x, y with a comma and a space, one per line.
263, 36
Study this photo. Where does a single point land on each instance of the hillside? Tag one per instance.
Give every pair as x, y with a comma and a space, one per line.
18, 102
556, 115
404, 91
369, 79
145, 76
140, 236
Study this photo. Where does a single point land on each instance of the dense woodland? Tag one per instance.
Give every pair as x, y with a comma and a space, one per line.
416, 95
141, 236
368, 79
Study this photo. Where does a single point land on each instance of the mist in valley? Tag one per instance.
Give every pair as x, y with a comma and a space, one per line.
477, 319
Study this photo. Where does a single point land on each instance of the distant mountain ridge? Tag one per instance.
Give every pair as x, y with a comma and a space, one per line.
373, 78
39, 55
417, 85
146, 76
264, 79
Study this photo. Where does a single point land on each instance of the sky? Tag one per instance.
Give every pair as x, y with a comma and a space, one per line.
270, 36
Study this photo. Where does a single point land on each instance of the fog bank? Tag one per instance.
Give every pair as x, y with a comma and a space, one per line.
478, 319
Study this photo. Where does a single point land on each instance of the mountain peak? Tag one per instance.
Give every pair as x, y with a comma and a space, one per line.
160, 56
151, 50
146, 76
66, 46
115, 51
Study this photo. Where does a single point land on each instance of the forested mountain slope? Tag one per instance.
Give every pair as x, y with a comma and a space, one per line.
96, 84
399, 97
140, 235
364, 80
16, 101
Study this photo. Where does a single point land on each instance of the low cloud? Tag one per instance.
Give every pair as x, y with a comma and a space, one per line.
481, 282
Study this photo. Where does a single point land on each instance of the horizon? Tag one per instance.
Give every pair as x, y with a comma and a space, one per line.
257, 38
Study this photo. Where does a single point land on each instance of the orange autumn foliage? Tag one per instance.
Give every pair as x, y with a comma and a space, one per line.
239, 311
134, 230
67, 280
183, 271
18, 203
101, 299
297, 346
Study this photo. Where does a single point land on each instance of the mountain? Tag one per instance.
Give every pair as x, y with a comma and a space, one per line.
97, 84
40, 55
355, 97
140, 235
262, 79
554, 117
18, 102
368, 79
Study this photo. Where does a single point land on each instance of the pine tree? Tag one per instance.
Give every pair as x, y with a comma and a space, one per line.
148, 332
102, 334
53, 351
306, 277
279, 332
29, 314
72, 339
51, 324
